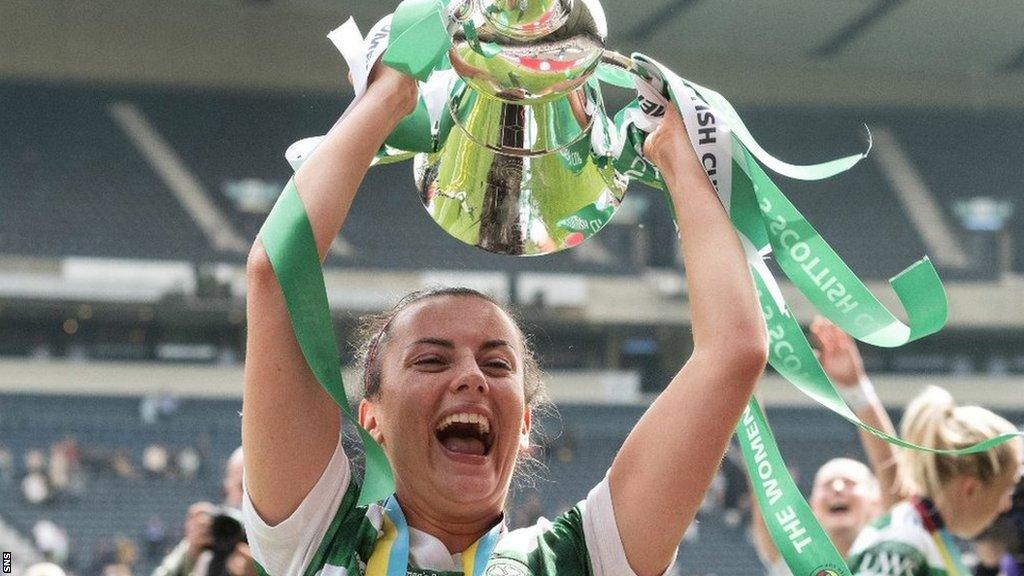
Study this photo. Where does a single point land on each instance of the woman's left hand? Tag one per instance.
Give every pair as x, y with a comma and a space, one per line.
837, 353
668, 146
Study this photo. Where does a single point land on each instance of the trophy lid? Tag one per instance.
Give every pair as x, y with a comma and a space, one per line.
544, 48
526, 19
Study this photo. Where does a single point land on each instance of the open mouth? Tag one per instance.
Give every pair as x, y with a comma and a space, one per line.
838, 508
465, 433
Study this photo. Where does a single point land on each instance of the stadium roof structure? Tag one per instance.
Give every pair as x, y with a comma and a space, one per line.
877, 52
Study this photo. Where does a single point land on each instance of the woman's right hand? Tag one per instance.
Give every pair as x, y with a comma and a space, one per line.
399, 90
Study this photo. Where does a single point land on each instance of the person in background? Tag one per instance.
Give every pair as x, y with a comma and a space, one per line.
44, 569
188, 462
191, 557
232, 482
154, 534
1000, 548
846, 494
6, 465
51, 540
947, 495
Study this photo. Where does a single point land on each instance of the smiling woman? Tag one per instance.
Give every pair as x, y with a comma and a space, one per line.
449, 390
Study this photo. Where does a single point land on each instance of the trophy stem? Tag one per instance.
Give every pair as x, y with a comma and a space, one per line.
519, 129
500, 227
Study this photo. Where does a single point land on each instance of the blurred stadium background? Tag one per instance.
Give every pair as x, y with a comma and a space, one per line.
141, 147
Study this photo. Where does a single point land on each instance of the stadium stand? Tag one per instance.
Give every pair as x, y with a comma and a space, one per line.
73, 186
873, 235
581, 443
955, 155
113, 287
234, 143
107, 201
250, 134
114, 504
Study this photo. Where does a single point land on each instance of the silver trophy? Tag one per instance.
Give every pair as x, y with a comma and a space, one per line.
526, 167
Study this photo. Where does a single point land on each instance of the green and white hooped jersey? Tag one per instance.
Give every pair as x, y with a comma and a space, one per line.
329, 535
899, 544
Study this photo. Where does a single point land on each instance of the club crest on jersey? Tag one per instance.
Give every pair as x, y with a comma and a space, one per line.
505, 568
825, 571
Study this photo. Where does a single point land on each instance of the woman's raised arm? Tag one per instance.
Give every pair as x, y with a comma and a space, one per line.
841, 360
290, 426
660, 475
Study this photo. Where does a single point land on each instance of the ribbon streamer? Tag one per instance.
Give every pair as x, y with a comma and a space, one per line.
419, 38
764, 220
288, 239
390, 556
807, 172
795, 531
813, 266
751, 199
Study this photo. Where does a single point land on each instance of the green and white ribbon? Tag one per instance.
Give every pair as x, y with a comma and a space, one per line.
421, 131
287, 236
420, 36
390, 556
797, 534
771, 223
767, 222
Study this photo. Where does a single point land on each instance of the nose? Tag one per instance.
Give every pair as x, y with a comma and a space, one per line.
838, 485
470, 378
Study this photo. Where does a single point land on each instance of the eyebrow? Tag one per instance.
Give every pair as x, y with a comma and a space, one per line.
490, 344
495, 344
435, 341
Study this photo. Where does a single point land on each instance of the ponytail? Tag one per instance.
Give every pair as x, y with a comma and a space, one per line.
933, 419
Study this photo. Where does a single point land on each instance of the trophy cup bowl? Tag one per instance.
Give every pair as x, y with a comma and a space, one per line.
517, 173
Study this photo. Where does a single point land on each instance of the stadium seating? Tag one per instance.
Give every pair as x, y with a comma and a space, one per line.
978, 157
581, 439
229, 139
111, 505
104, 200
856, 212
74, 186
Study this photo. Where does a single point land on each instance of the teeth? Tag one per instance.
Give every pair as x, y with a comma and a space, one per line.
466, 418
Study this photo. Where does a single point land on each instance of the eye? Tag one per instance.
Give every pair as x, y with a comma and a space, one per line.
430, 362
498, 364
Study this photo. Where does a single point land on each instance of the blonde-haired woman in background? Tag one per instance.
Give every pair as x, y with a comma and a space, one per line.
949, 495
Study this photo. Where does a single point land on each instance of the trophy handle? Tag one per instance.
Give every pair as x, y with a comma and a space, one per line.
626, 64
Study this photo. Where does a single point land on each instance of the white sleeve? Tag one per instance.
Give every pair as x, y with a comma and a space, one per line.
288, 547
604, 546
